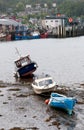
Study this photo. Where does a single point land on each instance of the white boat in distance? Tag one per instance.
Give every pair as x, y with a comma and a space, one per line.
43, 85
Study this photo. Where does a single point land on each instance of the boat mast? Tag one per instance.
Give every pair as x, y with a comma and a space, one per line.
18, 52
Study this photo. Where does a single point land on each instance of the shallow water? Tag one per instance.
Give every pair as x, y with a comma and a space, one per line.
63, 59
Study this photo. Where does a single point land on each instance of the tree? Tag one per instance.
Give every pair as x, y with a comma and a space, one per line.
20, 6
72, 8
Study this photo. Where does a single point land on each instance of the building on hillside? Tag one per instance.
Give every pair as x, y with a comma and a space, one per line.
57, 24
51, 22
38, 6
28, 9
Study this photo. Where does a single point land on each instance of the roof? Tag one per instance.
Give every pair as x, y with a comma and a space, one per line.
56, 17
9, 22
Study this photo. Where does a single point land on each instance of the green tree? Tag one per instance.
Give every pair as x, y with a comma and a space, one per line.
72, 8
20, 6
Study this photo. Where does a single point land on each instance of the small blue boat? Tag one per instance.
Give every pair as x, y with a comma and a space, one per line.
24, 66
60, 101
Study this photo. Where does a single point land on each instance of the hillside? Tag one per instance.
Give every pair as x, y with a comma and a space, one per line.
13, 3
68, 7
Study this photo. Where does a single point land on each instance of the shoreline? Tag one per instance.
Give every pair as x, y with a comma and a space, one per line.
24, 108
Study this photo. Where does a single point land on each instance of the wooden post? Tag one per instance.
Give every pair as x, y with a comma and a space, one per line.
64, 31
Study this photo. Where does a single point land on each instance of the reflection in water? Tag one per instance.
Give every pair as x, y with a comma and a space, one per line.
26, 80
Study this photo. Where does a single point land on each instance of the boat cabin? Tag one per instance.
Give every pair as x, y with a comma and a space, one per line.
23, 61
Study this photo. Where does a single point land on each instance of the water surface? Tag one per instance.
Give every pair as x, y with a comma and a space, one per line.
63, 59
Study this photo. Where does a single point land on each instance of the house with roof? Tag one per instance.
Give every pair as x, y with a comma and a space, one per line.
54, 21
57, 24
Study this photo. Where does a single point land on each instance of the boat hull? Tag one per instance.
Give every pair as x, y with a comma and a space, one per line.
60, 101
40, 91
26, 37
27, 70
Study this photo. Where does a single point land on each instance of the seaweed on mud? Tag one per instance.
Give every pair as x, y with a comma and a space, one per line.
14, 89
48, 119
5, 102
2, 86
1, 95
18, 128
9, 98
22, 95
56, 123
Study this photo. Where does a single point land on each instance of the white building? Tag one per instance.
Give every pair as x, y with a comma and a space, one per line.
53, 22
28, 6
56, 25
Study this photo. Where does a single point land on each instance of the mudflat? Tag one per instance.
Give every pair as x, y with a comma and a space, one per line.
22, 109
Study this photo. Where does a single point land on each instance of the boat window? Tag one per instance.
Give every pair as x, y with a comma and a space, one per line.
25, 61
36, 84
46, 82
50, 81
41, 83
18, 64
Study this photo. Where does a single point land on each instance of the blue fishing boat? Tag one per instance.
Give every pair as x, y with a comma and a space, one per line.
60, 101
25, 36
24, 66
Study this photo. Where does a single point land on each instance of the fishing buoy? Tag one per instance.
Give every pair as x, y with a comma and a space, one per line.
70, 20
46, 101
